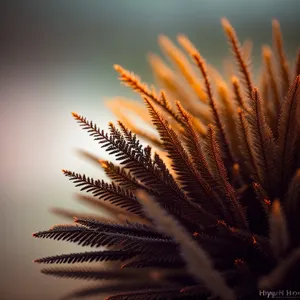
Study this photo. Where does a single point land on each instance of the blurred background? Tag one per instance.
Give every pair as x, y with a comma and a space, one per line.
57, 57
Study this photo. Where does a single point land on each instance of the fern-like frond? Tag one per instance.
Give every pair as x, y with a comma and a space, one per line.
239, 56
107, 192
95, 256
246, 49
228, 109
267, 55
268, 106
220, 174
94, 238
246, 147
120, 176
137, 229
282, 60
80, 235
215, 110
134, 157
238, 93
263, 144
134, 82
193, 142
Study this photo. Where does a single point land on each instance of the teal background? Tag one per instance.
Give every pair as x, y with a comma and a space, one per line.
57, 57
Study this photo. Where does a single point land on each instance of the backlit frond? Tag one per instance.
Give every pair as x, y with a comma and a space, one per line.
239, 56
211, 211
283, 63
